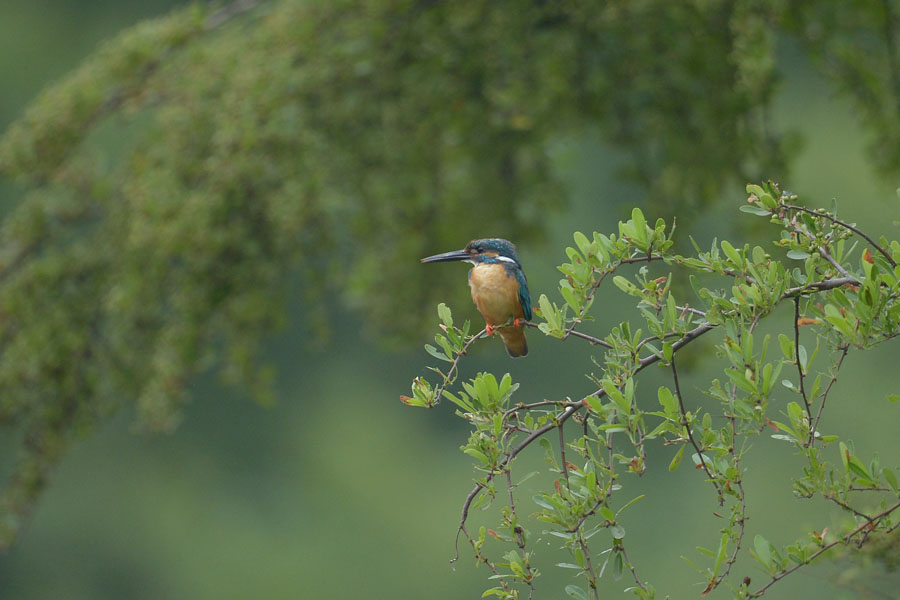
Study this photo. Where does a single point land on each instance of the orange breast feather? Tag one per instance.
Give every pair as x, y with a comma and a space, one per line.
495, 293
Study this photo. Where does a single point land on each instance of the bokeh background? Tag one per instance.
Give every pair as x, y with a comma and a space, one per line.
337, 490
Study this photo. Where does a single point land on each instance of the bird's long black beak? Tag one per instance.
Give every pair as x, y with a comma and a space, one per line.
448, 256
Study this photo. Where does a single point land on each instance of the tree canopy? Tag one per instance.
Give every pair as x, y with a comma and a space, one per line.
178, 179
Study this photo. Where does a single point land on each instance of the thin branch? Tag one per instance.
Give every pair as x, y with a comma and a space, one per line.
824, 254
837, 367
592, 577
841, 540
818, 286
687, 428
630, 566
797, 356
448, 378
847, 226
518, 532
593, 340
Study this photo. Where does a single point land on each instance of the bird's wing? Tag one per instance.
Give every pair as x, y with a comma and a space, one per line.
524, 296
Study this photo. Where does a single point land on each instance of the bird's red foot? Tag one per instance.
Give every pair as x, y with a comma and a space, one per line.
489, 329
517, 322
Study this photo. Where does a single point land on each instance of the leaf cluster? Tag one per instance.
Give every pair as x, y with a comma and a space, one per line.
843, 288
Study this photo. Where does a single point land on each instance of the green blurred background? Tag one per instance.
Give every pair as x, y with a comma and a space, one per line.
340, 491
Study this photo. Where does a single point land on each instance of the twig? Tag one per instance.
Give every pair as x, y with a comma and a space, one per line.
518, 532
448, 378
687, 427
797, 356
815, 424
871, 521
630, 566
818, 286
847, 226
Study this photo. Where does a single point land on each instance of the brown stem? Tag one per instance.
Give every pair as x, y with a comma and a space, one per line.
687, 428
797, 356
847, 226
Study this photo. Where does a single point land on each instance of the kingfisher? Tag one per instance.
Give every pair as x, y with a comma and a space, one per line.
499, 288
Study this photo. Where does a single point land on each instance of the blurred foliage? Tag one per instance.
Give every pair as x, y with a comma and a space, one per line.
174, 182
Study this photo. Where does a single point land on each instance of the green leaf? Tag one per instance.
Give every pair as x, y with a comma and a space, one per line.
890, 477
676, 460
626, 286
444, 314
787, 346
731, 253
667, 400
629, 503
755, 210
478, 454
584, 245
434, 352
640, 228
858, 467
720, 555
576, 592
798, 254
461, 401
763, 550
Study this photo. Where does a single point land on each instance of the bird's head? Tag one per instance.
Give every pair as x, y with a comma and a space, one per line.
490, 250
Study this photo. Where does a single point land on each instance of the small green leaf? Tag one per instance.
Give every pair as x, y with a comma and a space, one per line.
576, 592
667, 400
755, 210
858, 467
444, 314
763, 550
798, 254
676, 460
474, 453
582, 242
434, 352
787, 346
890, 477
625, 285
731, 253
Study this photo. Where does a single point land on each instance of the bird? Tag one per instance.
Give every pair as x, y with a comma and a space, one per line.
499, 288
